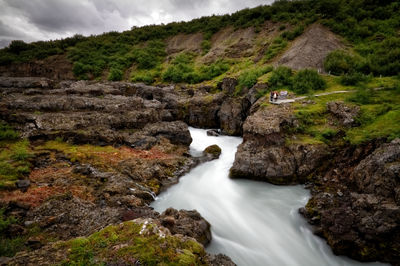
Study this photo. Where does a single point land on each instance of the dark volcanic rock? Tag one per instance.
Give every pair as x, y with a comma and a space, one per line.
228, 85
213, 151
202, 110
213, 132
176, 132
361, 218
232, 114
344, 112
263, 154
188, 223
379, 173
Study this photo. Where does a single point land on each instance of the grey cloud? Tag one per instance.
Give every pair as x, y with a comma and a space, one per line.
49, 19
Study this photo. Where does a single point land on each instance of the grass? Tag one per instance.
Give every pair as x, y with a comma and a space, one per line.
81, 153
379, 115
14, 162
276, 47
384, 126
131, 242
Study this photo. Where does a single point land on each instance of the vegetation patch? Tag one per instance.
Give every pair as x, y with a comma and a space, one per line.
14, 162
132, 242
182, 69
249, 78
307, 80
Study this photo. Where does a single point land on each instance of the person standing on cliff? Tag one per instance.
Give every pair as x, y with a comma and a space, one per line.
275, 96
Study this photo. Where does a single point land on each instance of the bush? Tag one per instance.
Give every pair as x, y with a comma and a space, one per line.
182, 70
307, 80
277, 45
353, 78
281, 77
248, 79
115, 74
205, 46
214, 70
80, 70
18, 46
147, 77
291, 35
338, 62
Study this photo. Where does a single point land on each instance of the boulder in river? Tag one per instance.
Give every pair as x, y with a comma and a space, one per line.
213, 151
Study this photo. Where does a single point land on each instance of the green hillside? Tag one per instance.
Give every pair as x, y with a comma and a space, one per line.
371, 29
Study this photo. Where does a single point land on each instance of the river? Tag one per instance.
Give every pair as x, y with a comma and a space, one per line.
254, 223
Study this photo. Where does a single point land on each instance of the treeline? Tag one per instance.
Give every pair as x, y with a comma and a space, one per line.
371, 26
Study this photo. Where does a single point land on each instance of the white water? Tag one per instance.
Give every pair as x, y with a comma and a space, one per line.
254, 223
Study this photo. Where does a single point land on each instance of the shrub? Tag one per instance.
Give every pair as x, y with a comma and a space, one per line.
277, 45
214, 70
248, 79
80, 70
291, 35
182, 70
115, 74
338, 62
281, 77
307, 80
205, 46
18, 46
145, 77
353, 78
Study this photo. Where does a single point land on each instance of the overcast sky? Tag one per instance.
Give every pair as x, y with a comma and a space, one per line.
32, 20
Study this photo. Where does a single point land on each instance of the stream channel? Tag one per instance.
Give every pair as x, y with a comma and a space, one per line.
254, 223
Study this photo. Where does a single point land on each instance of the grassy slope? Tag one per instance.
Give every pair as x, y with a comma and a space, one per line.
379, 115
372, 29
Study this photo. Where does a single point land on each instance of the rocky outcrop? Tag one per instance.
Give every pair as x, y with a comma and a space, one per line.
356, 207
232, 114
345, 113
143, 241
264, 156
188, 223
54, 67
75, 190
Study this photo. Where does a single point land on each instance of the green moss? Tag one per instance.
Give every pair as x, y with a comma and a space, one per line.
129, 242
7, 132
213, 149
14, 161
76, 152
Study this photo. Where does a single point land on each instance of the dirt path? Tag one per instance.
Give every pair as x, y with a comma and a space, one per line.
303, 97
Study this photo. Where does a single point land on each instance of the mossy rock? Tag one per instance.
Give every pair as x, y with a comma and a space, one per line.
213, 151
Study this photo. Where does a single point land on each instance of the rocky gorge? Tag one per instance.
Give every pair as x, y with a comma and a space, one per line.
99, 152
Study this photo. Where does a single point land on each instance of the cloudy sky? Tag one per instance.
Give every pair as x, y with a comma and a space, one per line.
32, 20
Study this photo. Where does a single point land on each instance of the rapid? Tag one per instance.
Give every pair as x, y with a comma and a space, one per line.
254, 223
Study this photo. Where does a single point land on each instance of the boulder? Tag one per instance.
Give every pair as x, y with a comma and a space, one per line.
213, 132
213, 152
344, 112
188, 223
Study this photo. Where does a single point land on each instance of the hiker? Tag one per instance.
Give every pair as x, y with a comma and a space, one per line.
275, 96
